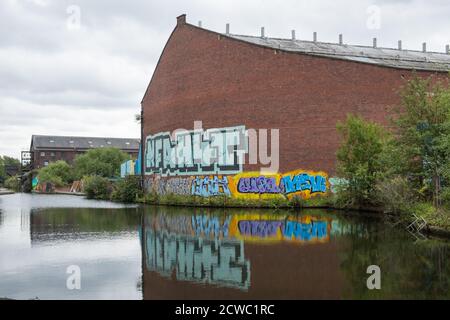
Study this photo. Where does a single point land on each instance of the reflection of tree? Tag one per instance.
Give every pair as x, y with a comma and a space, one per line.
67, 220
408, 270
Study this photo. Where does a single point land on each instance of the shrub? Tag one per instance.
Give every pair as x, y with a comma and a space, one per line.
58, 173
96, 187
360, 158
13, 183
395, 194
296, 202
104, 162
127, 189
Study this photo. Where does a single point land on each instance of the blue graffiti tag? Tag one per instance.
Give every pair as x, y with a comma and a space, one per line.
303, 182
207, 186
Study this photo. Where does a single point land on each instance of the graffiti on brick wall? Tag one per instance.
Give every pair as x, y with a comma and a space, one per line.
208, 186
301, 183
176, 185
212, 151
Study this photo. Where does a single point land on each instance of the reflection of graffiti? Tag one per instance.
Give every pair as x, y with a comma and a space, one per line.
210, 186
210, 226
259, 228
305, 231
195, 259
290, 230
255, 227
196, 152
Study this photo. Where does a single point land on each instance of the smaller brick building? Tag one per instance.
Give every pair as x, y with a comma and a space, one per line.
46, 149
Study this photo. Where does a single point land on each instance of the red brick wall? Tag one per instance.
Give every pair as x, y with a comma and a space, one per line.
225, 82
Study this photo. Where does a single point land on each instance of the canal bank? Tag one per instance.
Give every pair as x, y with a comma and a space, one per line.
4, 191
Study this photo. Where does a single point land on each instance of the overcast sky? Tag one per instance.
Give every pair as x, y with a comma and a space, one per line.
80, 67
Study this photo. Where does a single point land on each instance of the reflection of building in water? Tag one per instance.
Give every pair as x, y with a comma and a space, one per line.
218, 262
201, 256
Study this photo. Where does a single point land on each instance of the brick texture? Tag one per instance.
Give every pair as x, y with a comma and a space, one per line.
225, 82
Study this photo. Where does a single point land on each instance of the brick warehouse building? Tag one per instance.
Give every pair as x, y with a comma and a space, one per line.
46, 149
303, 88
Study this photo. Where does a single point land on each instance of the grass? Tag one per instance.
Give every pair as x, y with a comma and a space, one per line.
224, 201
436, 217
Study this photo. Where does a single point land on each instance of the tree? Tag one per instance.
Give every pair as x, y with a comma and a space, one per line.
104, 162
6, 162
422, 127
58, 173
360, 159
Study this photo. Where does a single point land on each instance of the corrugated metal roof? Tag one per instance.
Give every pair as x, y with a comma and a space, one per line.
80, 143
394, 58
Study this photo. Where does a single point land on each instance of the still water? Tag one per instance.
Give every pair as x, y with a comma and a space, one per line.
136, 252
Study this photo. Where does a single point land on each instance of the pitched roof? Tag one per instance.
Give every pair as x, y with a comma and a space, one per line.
388, 57
68, 142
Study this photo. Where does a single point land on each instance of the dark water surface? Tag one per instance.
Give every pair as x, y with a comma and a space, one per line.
133, 252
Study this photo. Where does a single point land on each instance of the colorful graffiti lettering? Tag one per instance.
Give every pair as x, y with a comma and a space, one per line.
214, 151
178, 185
243, 185
259, 184
302, 182
210, 186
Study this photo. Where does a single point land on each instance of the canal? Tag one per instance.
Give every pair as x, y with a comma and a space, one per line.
137, 252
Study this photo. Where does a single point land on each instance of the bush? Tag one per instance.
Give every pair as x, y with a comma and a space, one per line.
395, 194
104, 162
13, 183
96, 187
296, 202
127, 189
58, 173
360, 159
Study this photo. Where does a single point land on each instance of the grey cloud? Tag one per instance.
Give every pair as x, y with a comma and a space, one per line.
91, 81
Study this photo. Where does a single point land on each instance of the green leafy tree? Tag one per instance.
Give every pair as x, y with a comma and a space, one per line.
360, 159
5, 162
13, 183
59, 173
104, 162
422, 128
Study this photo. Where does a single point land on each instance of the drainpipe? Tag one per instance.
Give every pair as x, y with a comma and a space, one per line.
142, 148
